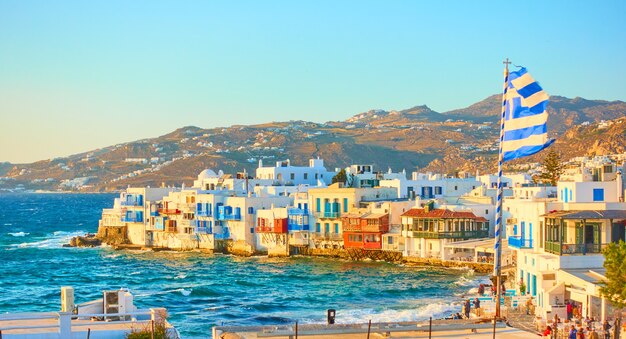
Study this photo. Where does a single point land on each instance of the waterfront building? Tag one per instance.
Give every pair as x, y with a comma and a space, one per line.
558, 234
127, 219
285, 174
364, 230
429, 186
330, 203
271, 231
429, 229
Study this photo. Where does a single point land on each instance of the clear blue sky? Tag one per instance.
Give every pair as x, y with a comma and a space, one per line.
78, 75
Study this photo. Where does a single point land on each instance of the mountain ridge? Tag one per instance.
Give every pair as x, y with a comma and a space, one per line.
417, 137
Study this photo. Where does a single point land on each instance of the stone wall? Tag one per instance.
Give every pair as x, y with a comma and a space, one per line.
113, 235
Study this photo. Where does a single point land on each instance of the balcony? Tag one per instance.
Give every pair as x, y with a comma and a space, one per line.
169, 211
203, 213
519, 242
330, 215
131, 219
449, 235
236, 217
297, 226
326, 236
573, 249
154, 213
297, 211
372, 245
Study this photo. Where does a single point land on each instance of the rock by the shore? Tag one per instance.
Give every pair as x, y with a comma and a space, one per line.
89, 240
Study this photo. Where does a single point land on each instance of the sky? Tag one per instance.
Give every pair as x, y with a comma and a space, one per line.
81, 75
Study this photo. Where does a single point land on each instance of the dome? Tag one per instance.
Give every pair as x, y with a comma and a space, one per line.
207, 173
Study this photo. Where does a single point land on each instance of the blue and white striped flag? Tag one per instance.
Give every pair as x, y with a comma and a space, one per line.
525, 129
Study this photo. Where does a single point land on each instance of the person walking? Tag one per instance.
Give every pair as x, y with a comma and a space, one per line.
572, 333
606, 327
467, 308
593, 334
477, 306
569, 308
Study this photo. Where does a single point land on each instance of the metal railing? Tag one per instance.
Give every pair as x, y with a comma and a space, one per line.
69, 323
569, 249
449, 235
519, 242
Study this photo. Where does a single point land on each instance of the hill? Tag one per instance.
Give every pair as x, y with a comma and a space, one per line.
415, 138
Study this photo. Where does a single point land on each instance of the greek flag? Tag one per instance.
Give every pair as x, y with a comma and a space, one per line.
525, 130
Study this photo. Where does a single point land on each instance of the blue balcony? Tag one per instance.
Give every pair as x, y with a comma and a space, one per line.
131, 219
203, 213
154, 213
132, 200
231, 217
297, 211
519, 242
294, 227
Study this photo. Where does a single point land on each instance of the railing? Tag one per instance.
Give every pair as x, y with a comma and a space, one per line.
231, 217
449, 235
372, 245
326, 236
568, 249
329, 215
169, 211
297, 211
171, 229
131, 219
297, 226
204, 229
519, 242
203, 213
154, 213
69, 324
130, 203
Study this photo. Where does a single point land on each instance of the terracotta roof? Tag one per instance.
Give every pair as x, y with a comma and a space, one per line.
438, 213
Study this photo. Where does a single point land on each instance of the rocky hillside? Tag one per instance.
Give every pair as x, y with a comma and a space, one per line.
463, 139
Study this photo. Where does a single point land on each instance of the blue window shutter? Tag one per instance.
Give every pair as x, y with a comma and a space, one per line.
598, 194
317, 205
345, 205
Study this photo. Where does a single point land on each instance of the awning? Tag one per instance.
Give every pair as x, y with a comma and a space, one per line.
587, 214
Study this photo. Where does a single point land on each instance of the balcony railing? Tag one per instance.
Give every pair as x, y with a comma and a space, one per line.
230, 217
575, 249
131, 203
203, 213
169, 211
326, 236
329, 215
131, 219
449, 235
297, 211
154, 213
519, 242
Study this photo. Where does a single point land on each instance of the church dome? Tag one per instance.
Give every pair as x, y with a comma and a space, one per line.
207, 173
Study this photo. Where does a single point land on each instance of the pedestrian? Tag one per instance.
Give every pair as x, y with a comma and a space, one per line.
569, 307
572, 333
467, 308
593, 334
477, 306
481, 290
607, 329
548, 331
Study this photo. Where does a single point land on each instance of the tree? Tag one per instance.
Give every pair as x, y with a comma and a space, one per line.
340, 177
552, 168
615, 264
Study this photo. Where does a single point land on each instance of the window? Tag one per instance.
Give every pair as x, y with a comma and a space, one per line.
292, 176
345, 205
598, 194
337, 228
306, 176
456, 188
317, 227
250, 210
390, 240
317, 205
486, 211
438, 190
326, 228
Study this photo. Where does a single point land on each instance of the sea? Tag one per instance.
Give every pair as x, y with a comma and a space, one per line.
204, 290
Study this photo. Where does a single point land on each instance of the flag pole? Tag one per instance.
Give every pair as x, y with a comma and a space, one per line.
497, 263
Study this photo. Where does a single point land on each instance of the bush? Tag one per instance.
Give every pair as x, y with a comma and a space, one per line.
144, 330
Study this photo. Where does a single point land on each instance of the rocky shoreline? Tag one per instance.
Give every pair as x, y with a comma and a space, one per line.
94, 240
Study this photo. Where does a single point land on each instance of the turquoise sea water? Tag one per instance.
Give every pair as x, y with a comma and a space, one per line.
201, 290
